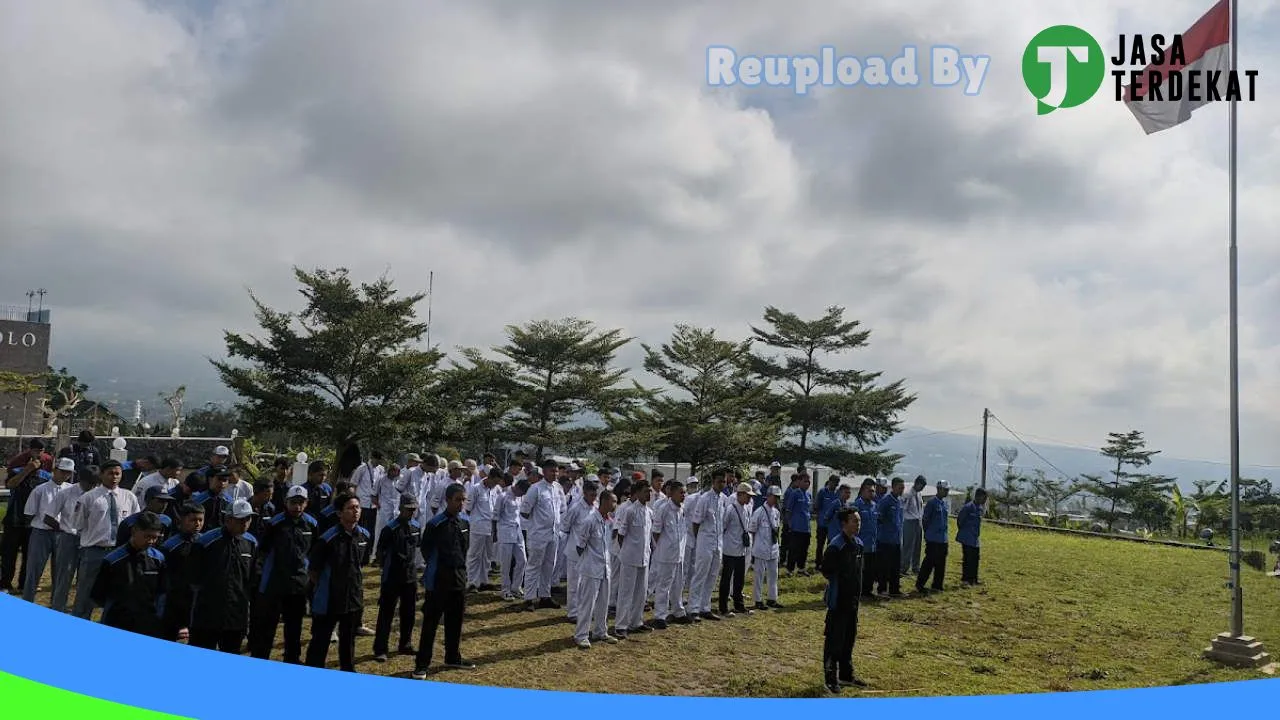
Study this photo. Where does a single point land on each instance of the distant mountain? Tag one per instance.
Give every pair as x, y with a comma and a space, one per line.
954, 457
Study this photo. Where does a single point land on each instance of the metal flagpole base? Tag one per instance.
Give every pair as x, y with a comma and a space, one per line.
1240, 652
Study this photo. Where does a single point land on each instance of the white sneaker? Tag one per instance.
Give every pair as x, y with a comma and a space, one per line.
584, 644
607, 639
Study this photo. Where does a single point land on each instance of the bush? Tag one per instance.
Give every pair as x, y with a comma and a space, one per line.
1255, 559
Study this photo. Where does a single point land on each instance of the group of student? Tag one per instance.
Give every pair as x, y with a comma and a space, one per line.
215, 559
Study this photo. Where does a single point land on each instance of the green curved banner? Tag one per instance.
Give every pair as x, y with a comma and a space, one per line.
32, 700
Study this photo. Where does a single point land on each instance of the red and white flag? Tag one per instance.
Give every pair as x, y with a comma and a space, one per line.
1207, 47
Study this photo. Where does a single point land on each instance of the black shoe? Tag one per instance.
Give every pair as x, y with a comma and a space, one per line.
641, 628
833, 687
658, 624
897, 594
761, 606
774, 604
726, 613
682, 620
380, 657
854, 681
710, 616
742, 610
548, 604
460, 664
406, 650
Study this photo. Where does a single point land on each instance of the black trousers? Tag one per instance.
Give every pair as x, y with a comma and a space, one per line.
969, 564
406, 596
798, 555
870, 571
838, 635
13, 545
448, 606
322, 631
733, 574
268, 612
889, 558
935, 562
368, 521
227, 641
822, 545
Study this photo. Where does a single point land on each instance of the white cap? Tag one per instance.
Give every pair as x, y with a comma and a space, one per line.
575, 467
455, 465
241, 509
943, 485
66, 464
775, 491
297, 491
775, 464
222, 450
691, 480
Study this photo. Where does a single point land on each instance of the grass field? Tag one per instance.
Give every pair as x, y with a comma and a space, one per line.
1054, 613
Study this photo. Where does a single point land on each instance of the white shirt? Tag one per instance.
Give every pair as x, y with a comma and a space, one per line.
93, 519
64, 508
540, 513
150, 480
637, 535
595, 559
507, 510
40, 503
669, 526
570, 525
480, 498
562, 504
438, 485
764, 521
912, 505
736, 521
239, 490
365, 480
690, 502
386, 492
708, 515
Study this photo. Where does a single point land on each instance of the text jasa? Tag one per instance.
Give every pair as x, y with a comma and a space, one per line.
1166, 75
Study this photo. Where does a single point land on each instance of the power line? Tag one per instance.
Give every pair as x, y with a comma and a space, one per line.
935, 432
1033, 450
1078, 446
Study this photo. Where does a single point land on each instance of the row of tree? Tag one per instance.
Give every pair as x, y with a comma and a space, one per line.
1153, 503
351, 368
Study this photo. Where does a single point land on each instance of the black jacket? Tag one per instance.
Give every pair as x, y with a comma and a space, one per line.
285, 544
335, 558
842, 566
130, 587
397, 552
222, 569
445, 541
177, 554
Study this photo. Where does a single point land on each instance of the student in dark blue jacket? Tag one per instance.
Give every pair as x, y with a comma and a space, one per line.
968, 532
397, 555
334, 569
827, 499
130, 586
935, 520
842, 565
445, 540
868, 532
889, 540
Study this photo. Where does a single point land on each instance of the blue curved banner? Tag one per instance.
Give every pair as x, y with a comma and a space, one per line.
112, 665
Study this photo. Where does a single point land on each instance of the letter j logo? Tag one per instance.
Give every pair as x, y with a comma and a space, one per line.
1063, 66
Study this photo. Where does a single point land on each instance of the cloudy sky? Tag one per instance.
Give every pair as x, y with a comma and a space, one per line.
1066, 271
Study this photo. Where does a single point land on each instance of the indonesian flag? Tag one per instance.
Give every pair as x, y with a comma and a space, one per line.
1207, 47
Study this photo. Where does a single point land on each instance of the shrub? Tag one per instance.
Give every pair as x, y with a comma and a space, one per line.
1255, 559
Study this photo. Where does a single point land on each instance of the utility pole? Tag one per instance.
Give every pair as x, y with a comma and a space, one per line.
431, 282
986, 414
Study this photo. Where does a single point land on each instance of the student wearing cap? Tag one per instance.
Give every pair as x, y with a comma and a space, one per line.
43, 521
484, 525
594, 572
889, 540
541, 518
868, 532
882, 488
935, 521
444, 583
669, 541
130, 586
216, 501
912, 511
573, 519
707, 523
798, 512
635, 541
968, 534
737, 543
397, 555
511, 550
177, 554
283, 586
827, 497
365, 483
164, 477
222, 567
842, 565
338, 601
766, 534
157, 503
98, 516
221, 455
63, 519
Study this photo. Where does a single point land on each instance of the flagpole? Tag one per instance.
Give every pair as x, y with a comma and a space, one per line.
1237, 593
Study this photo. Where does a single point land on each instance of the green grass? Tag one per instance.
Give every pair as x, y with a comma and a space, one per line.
1054, 613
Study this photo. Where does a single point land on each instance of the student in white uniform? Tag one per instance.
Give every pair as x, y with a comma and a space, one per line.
98, 516
563, 487
737, 544
707, 522
386, 498
66, 556
636, 541
44, 535
484, 525
766, 531
573, 518
237, 488
541, 518
365, 481
165, 477
669, 535
622, 492
594, 570
511, 550
692, 494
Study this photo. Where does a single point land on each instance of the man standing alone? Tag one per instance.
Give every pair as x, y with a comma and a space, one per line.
842, 566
